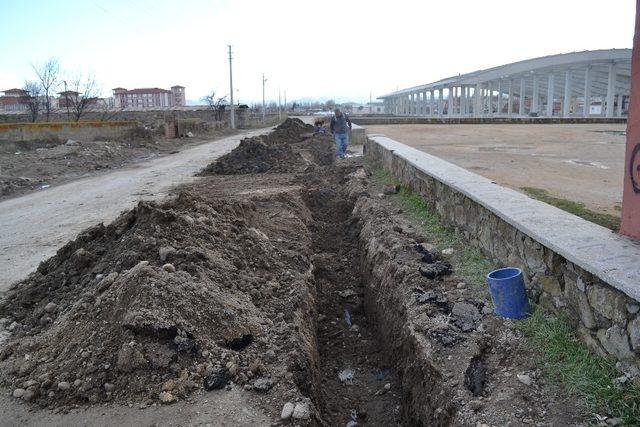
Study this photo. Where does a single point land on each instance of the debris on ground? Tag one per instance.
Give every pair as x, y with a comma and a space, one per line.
37, 165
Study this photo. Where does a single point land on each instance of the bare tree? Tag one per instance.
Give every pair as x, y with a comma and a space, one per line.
217, 105
48, 75
83, 93
330, 105
32, 99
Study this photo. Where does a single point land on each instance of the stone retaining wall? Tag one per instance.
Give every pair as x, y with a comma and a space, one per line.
606, 318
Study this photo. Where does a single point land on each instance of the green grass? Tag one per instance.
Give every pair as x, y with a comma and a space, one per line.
566, 360
611, 222
470, 265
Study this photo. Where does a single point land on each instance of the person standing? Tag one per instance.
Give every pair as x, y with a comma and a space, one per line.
340, 127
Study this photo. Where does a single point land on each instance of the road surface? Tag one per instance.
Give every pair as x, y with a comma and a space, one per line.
34, 226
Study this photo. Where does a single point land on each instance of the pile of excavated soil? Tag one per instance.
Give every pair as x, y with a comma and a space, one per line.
281, 151
170, 298
196, 293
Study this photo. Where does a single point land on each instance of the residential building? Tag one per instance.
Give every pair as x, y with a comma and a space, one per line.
14, 100
72, 97
149, 97
67, 97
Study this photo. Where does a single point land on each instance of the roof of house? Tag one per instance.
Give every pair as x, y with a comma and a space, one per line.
15, 91
177, 86
148, 90
69, 92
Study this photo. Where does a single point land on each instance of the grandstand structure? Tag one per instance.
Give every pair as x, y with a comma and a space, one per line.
593, 83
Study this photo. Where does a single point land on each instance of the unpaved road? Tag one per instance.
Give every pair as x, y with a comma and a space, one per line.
34, 226
218, 408
579, 162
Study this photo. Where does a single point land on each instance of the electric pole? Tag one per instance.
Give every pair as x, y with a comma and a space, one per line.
232, 112
263, 103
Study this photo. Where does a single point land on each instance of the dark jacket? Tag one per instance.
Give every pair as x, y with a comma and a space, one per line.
340, 124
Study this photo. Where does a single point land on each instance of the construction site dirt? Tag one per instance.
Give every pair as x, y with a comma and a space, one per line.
284, 284
36, 166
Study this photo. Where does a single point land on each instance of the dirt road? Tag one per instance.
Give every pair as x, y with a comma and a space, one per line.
579, 162
32, 227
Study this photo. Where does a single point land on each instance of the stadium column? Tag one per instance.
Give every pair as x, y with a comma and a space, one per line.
489, 98
631, 194
499, 98
510, 106
431, 102
587, 92
566, 103
535, 97
452, 101
611, 89
477, 109
551, 82
523, 88
620, 99
440, 100
424, 103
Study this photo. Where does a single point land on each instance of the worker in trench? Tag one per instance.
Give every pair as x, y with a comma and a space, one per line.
340, 127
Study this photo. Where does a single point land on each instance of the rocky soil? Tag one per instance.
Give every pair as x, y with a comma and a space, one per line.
36, 166
303, 285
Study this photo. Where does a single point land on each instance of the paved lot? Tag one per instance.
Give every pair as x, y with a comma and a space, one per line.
34, 226
579, 162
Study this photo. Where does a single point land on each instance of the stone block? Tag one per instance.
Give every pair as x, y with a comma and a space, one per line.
609, 302
616, 342
580, 303
547, 302
592, 344
533, 256
549, 284
634, 333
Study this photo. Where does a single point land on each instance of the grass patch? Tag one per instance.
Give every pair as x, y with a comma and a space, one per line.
470, 264
611, 222
566, 360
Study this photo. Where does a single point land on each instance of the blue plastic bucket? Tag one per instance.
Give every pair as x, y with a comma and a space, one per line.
507, 292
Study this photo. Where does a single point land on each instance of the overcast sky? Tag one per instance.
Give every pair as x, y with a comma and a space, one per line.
312, 49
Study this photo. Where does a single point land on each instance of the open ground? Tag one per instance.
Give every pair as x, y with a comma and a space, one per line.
34, 225
579, 162
282, 284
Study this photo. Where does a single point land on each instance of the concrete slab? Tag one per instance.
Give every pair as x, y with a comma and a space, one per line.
613, 258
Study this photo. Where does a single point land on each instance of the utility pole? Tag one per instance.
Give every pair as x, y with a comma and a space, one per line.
279, 106
263, 103
66, 98
232, 112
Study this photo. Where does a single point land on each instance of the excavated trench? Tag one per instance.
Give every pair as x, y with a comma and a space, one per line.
358, 384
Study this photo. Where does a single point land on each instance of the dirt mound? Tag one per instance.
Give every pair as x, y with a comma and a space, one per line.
279, 151
255, 155
168, 299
